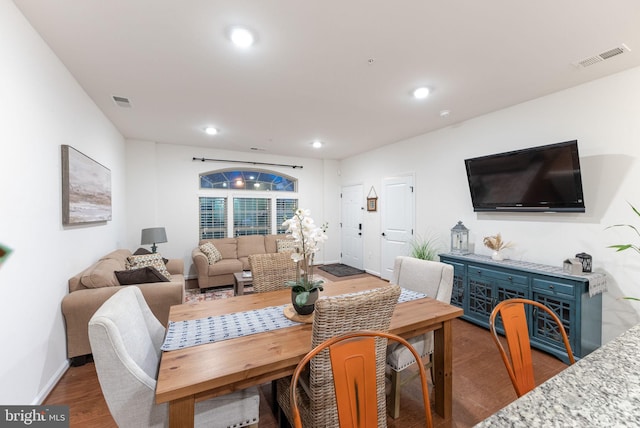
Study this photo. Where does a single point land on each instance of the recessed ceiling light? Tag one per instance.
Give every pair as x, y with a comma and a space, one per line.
210, 130
242, 37
445, 113
421, 93
317, 144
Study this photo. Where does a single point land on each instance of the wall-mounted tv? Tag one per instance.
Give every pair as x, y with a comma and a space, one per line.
545, 178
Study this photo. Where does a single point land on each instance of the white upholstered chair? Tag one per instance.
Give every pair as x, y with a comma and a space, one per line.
125, 341
435, 279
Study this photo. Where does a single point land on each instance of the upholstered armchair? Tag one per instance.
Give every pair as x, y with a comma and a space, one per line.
435, 279
125, 340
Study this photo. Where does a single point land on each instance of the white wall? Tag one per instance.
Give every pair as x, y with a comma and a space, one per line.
163, 189
602, 115
41, 108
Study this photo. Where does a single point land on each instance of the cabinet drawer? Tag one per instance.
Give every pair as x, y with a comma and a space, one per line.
552, 286
494, 274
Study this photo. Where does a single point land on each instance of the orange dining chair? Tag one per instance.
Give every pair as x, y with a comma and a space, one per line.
353, 365
514, 319
334, 316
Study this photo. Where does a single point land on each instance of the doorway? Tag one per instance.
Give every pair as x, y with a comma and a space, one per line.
397, 220
352, 215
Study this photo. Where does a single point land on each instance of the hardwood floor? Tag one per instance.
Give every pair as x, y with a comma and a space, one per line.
481, 386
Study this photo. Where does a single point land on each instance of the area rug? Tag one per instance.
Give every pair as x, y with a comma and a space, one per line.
338, 269
194, 295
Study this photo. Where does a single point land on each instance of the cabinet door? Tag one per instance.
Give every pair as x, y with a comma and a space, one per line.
509, 290
488, 287
480, 296
457, 294
559, 297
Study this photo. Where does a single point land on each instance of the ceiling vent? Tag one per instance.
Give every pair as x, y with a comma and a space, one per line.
121, 101
586, 62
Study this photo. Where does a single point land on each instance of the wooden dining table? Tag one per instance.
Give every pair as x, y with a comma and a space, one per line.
205, 371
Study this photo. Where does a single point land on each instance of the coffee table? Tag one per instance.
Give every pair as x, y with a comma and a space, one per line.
239, 282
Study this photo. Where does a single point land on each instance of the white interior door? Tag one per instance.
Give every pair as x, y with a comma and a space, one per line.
352, 215
397, 219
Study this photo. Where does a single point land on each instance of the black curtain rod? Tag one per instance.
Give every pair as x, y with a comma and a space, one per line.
249, 162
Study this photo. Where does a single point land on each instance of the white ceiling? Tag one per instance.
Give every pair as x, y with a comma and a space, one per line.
310, 76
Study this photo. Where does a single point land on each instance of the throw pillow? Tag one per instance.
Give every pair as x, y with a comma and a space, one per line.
212, 253
143, 275
142, 251
285, 245
154, 260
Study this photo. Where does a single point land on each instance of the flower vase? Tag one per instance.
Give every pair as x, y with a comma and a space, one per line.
497, 256
309, 307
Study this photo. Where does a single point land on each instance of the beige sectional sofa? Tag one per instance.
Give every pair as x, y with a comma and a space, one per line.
94, 285
235, 257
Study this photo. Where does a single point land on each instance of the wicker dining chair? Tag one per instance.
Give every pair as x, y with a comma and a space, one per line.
353, 365
270, 271
514, 319
334, 316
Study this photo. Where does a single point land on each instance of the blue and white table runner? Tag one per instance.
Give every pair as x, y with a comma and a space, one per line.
183, 334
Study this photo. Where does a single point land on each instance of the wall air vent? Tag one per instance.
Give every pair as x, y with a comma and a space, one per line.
121, 101
586, 62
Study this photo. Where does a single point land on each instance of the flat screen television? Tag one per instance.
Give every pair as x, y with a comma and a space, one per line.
545, 178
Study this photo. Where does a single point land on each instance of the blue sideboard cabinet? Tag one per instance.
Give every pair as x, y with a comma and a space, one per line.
479, 283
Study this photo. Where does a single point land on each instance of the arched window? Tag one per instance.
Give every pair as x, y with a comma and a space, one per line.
229, 213
248, 179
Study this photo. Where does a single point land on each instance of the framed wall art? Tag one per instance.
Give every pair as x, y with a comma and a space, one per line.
372, 200
86, 189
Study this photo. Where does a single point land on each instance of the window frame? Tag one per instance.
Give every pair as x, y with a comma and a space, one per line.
231, 195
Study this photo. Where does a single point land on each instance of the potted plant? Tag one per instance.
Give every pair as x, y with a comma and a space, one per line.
307, 237
496, 244
424, 248
623, 247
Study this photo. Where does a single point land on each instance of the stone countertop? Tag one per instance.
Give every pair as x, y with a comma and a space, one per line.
601, 390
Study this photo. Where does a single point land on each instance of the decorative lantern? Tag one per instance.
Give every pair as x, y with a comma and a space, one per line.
586, 261
459, 239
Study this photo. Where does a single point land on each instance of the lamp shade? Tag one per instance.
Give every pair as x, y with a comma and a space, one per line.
153, 236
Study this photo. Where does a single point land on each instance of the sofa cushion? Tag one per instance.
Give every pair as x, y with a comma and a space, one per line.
212, 253
119, 255
270, 242
285, 246
154, 260
142, 251
226, 246
225, 266
143, 275
250, 244
101, 274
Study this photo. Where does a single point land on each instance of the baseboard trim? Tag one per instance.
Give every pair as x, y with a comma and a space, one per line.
371, 272
53, 381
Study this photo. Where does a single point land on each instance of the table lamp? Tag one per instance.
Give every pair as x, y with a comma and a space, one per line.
153, 236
